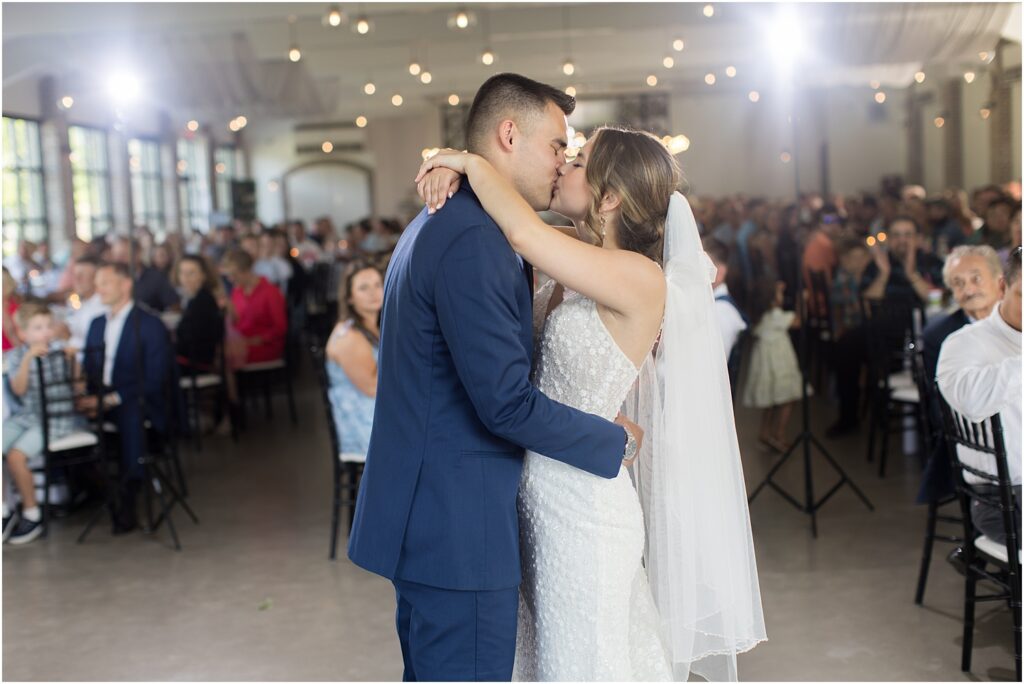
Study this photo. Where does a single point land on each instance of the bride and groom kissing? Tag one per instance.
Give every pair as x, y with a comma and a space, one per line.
532, 531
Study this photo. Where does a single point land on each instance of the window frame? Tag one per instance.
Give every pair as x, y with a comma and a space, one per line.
103, 174
22, 221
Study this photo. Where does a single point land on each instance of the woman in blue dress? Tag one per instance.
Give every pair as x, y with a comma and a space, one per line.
352, 357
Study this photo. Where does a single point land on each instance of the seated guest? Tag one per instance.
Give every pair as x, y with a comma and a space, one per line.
901, 269
352, 356
84, 304
850, 352
946, 231
258, 309
974, 276
979, 375
201, 327
152, 286
731, 321
1015, 238
133, 340
12, 300
309, 251
996, 230
23, 432
21, 264
271, 263
79, 249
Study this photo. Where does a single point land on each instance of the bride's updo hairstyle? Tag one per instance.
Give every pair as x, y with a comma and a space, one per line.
637, 167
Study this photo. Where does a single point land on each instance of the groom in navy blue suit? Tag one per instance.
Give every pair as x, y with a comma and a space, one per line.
436, 511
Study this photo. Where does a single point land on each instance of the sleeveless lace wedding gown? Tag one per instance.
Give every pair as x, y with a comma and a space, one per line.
585, 606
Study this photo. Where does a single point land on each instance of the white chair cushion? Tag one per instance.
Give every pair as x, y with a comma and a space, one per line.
992, 548
901, 379
203, 381
75, 440
908, 395
347, 457
262, 366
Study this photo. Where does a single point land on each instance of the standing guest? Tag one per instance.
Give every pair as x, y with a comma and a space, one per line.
21, 264
201, 327
352, 356
946, 231
223, 241
12, 300
773, 382
913, 272
820, 250
131, 373
850, 352
979, 375
996, 231
257, 309
731, 321
975, 277
23, 432
752, 223
84, 304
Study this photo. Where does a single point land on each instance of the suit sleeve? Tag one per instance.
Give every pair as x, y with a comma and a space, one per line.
475, 296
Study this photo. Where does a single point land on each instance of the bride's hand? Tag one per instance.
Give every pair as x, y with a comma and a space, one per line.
438, 186
436, 191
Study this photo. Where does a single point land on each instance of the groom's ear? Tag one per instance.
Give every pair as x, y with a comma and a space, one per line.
507, 133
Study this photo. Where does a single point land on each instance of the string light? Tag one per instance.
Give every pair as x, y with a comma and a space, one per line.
362, 25
571, 91
487, 57
652, 80
369, 88
396, 100
678, 44
668, 62
361, 121
709, 11
453, 100
730, 71
192, 125
939, 122
294, 54
785, 157
710, 79
327, 147
753, 96
414, 68
67, 102
879, 97
919, 77
426, 77
568, 68
335, 16
969, 77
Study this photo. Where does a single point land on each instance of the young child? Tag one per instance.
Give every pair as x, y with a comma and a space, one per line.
773, 381
22, 432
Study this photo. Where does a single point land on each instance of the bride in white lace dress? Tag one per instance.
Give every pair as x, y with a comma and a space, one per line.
587, 610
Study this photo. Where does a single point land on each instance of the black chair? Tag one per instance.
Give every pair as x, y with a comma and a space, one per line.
347, 468
56, 399
933, 444
985, 559
892, 392
200, 380
321, 303
266, 374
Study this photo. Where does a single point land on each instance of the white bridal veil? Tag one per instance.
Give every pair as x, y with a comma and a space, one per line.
700, 552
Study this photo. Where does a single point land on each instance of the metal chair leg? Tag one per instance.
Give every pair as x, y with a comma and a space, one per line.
968, 640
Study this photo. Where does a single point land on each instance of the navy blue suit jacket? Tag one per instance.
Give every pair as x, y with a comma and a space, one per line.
455, 409
155, 365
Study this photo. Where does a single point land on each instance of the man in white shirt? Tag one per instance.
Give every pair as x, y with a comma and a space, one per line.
84, 304
730, 321
979, 375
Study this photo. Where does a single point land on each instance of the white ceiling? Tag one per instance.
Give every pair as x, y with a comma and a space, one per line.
217, 60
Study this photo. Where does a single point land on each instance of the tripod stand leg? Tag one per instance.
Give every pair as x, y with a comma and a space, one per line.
771, 473
842, 473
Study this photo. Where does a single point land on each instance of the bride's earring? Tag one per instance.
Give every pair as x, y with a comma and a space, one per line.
603, 229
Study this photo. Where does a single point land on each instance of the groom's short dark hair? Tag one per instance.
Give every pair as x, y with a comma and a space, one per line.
505, 95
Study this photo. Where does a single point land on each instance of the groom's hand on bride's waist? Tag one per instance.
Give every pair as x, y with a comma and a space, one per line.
638, 434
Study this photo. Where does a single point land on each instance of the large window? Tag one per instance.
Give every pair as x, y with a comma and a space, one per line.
194, 184
147, 185
90, 181
228, 167
24, 205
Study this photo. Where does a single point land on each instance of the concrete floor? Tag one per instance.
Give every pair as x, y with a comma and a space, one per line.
253, 597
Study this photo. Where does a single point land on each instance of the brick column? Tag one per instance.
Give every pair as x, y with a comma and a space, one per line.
953, 132
1000, 131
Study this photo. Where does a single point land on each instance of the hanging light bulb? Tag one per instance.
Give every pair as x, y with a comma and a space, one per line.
568, 68
334, 16
668, 62
453, 100
362, 25
940, 122
294, 54
919, 77
880, 97
361, 121
985, 112
710, 79
461, 20
327, 147
709, 11
241, 122
369, 88
67, 102
487, 57
652, 80
571, 91
753, 96
969, 76
414, 68
192, 125
678, 44
396, 100
730, 71
426, 77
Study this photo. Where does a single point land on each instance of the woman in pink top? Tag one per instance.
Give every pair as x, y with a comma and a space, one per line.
257, 309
